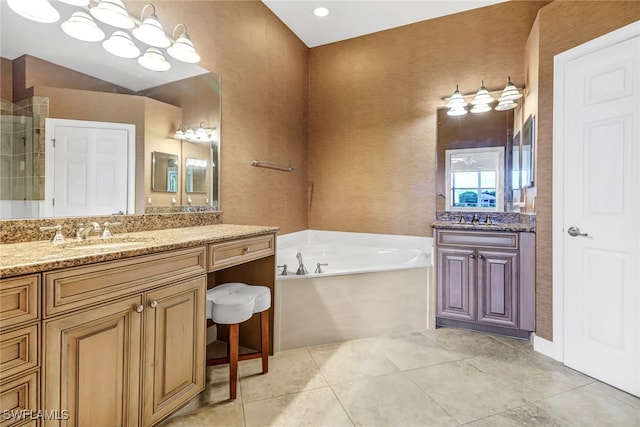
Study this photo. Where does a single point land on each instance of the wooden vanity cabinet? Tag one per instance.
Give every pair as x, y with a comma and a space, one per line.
19, 349
485, 281
124, 341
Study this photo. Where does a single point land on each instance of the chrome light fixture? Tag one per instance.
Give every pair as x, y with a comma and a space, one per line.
507, 101
35, 10
80, 26
182, 49
112, 12
151, 31
154, 60
201, 134
120, 44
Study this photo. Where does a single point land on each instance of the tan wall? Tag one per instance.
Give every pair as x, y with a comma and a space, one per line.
373, 100
263, 69
563, 25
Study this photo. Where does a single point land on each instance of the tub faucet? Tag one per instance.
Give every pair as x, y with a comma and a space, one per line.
284, 270
301, 270
319, 269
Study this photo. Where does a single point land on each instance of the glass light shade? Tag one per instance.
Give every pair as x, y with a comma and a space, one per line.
456, 100
506, 105
80, 3
35, 10
154, 60
179, 134
80, 26
480, 108
120, 44
510, 92
151, 33
183, 50
189, 134
482, 96
457, 111
112, 12
201, 134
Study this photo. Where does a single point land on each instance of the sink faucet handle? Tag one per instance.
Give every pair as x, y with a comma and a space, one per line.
106, 233
488, 220
58, 238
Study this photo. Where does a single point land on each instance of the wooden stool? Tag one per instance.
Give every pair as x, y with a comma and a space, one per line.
231, 304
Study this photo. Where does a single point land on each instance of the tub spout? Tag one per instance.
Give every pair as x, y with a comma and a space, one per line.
301, 270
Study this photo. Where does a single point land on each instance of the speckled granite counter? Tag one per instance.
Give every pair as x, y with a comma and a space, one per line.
481, 226
33, 257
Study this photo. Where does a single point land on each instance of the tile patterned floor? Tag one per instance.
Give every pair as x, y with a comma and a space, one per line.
446, 377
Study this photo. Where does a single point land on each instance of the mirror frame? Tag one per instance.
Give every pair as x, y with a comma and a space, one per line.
527, 162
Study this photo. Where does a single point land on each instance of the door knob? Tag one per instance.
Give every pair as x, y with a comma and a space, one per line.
153, 304
139, 308
575, 231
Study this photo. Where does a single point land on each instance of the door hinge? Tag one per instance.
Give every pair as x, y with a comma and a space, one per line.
53, 141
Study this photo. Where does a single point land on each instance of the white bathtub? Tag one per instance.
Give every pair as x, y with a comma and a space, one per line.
374, 284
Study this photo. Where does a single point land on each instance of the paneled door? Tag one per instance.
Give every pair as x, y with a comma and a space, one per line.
88, 168
600, 133
456, 282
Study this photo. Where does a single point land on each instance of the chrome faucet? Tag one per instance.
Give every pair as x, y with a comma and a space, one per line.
285, 272
84, 231
319, 268
301, 270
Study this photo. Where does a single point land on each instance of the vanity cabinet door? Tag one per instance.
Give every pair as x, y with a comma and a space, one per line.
498, 288
92, 365
174, 347
456, 283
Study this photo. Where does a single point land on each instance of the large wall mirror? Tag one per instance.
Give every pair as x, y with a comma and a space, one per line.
82, 82
474, 165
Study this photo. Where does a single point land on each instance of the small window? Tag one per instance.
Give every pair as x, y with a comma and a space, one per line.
475, 178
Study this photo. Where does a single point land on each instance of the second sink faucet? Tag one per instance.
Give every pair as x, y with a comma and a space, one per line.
301, 270
84, 231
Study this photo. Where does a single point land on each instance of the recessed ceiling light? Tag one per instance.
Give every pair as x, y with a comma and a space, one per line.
321, 12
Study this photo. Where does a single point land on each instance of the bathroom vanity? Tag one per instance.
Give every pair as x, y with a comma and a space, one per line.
485, 278
114, 332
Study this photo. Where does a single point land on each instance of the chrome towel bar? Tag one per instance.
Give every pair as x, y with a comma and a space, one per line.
262, 164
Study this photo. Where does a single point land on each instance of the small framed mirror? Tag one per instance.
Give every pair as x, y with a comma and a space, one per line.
164, 172
195, 175
475, 179
527, 152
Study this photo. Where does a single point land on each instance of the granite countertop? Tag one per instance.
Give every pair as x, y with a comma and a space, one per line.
34, 257
481, 226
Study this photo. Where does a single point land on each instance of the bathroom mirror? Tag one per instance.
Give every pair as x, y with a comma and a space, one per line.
164, 172
475, 179
527, 153
195, 171
73, 86
515, 162
473, 133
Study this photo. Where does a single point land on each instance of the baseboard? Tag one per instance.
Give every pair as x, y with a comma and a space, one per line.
546, 347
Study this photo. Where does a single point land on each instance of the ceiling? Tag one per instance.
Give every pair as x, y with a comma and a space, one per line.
354, 18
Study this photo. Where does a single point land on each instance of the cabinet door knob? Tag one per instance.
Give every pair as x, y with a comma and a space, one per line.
246, 250
472, 256
153, 304
480, 257
140, 308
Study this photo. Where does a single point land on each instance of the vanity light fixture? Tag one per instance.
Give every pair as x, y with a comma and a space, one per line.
154, 60
112, 12
35, 10
457, 105
120, 44
507, 100
182, 49
200, 135
82, 27
150, 31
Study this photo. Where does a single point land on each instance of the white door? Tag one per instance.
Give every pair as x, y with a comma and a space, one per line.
88, 169
600, 137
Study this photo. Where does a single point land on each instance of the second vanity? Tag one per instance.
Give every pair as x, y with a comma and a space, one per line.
113, 333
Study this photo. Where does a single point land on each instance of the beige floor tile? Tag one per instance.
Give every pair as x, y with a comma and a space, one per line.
221, 416
351, 360
617, 393
289, 372
587, 406
465, 392
414, 350
390, 400
314, 408
469, 343
534, 377
528, 415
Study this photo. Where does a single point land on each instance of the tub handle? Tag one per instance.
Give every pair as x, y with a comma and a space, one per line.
319, 269
284, 270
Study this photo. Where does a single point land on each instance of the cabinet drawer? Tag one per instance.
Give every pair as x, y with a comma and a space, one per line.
19, 300
19, 350
18, 395
77, 287
223, 255
488, 239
